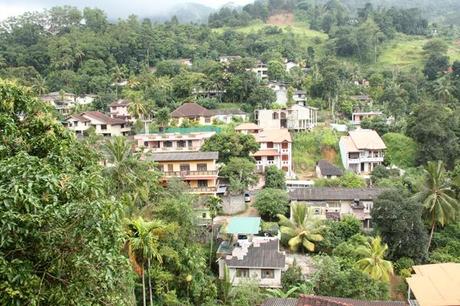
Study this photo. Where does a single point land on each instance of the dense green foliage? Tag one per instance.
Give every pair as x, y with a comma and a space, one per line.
270, 202
61, 231
401, 150
231, 145
275, 178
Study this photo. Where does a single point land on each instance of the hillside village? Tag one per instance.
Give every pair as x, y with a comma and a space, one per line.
264, 161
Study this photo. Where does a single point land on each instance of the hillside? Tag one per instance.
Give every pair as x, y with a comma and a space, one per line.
406, 52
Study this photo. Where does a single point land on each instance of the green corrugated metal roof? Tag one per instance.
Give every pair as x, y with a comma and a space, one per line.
244, 225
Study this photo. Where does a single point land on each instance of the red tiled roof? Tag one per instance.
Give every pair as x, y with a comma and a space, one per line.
103, 118
191, 110
312, 300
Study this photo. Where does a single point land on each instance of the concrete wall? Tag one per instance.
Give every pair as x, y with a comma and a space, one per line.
256, 275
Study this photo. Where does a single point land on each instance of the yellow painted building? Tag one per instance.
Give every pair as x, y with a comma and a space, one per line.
197, 169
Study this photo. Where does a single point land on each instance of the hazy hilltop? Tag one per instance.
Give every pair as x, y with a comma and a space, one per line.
186, 13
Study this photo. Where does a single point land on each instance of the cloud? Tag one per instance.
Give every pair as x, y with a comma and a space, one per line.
113, 8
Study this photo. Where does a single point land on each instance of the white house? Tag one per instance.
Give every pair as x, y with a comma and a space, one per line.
261, 70
280, 90
228, 115
102, 124
357, 117
362, 150
290, 65
275, 149
259, 260
120, 109
294, 118
226, 59
85, 99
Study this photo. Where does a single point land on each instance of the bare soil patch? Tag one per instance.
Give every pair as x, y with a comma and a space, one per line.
281, 19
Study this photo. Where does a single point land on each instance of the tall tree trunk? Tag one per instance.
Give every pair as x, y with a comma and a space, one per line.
143, 289
150, 282
431, 234
212, 238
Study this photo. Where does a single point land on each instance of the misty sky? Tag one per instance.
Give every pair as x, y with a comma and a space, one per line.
113, 8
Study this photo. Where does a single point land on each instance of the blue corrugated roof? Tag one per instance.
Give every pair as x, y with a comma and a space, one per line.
244, 225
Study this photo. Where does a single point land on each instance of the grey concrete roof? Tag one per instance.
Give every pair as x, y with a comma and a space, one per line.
178, 156
334, 193
266, 255
327, 168
280, 302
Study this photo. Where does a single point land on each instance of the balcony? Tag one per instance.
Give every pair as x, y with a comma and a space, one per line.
203, 189
188, 173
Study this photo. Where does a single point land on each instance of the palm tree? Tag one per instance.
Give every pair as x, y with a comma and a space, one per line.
279, 293
303, 230
143, 246
120, 158
214, 205
372, 260
162, 118
117, 76
39, 85
439, 203
443, 89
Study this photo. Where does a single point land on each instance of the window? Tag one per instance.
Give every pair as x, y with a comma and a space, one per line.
160, 168
167, 144
270, 158
184, 167
275, 116
285, 145
146, 144
103, 126
202, 183
207, 120
270, 145
258, 158
181, 143
189, 143
203, 215
202, 167
285, 157
268, 273
242, 272
170, 167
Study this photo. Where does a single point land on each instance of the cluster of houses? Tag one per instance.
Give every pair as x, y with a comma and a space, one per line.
64, 102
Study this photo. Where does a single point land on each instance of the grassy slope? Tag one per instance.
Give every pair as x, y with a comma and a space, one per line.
297, 28
406, 51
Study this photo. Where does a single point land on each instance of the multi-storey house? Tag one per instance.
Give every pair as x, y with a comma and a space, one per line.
102, 124
193, 112
172, 142
198, 169
275, 149
362, 151
294, 118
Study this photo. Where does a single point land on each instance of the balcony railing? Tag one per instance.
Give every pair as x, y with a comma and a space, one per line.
203, 189
190, 173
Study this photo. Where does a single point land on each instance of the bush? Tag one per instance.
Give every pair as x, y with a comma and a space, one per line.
275, 178
404, 263
270, 202
292, 277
